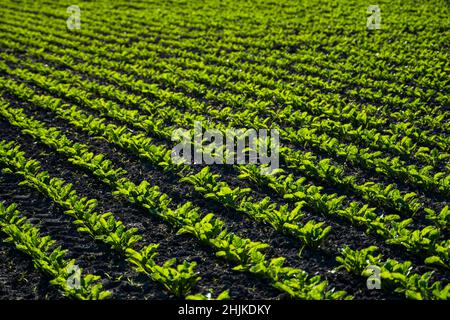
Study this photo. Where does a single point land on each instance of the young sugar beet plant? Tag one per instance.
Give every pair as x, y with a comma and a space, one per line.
441, 254
245, 253
178, 280
442, 219
46, 257
205, 183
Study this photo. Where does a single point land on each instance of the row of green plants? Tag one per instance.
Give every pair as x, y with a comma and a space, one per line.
416, 240
279, 217
325, 170
239, 48
134, 24
92, 34
370, 191
393, 168
376, 193
186, 218
422, 178
146, 124
269, 95
419, 241
310, 233
424, 241
179, 279
47, 257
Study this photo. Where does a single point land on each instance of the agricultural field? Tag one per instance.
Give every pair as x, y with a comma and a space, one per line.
352, 201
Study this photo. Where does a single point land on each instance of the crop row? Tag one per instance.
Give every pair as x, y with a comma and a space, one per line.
47, 258
371, 191
311, 233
